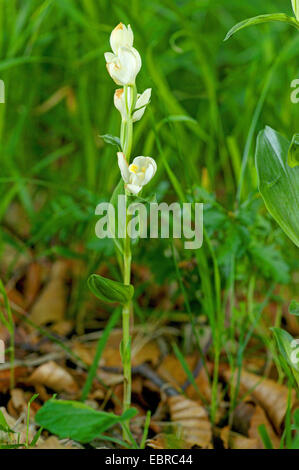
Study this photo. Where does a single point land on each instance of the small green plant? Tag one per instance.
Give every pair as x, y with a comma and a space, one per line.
7, 319
12, 437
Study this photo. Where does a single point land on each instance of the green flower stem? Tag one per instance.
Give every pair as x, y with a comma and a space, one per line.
126, 317
126, 143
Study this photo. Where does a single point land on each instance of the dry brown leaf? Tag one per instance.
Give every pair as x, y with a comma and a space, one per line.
19, 374
233, 440
259, 417
52, 443
149, 352
248, 416
18, 403
193, 420
51, 304
272, 397
15, 297
85, 351
32, 283
63, 328
171, 370
55, 377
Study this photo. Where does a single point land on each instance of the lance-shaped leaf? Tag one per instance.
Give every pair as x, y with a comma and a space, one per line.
281, 17
75, 420
278, 183
289, 349
110, 291
293, 154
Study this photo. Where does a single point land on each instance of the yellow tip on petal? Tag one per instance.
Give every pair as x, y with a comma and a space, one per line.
119, 26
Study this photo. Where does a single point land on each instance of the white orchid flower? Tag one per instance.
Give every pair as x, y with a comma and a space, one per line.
123, 107
121, 36
141, 103
120, 103
138, 174
295, 5
124, 63
123, 67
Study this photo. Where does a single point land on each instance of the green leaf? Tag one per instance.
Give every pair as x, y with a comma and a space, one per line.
278, 183
75, 420
293, 153
3, 424
269, 261
288, 349
295, 5
112, 140
262, 19
294, 308
265, 436
110, 291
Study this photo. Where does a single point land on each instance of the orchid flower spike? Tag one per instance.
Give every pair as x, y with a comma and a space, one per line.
124, 63
141, 103
138, 174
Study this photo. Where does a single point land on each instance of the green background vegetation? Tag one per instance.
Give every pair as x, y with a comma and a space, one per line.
209, 100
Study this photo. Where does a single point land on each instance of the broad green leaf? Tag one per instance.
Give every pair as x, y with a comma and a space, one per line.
75, 420
289, 349
262, 19
294, 308
112, 140
293, 154
110, 291
278, 183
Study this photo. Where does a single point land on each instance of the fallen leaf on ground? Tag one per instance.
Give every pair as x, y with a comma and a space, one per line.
272, 396
19, 374
18, 403
55, 377
248, 416
192, 419
52, 442
50, 306
233, 440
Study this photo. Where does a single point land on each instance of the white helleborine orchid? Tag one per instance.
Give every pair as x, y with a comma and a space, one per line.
138, 174
124, 63
121, 36
295, 4
141, 103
